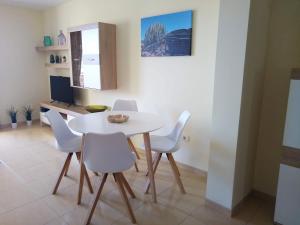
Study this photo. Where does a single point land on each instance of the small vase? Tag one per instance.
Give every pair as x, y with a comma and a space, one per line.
29, 122
14, 125
52, 59
47, 41
61, 38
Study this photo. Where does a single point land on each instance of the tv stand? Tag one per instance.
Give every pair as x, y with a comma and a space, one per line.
68, 111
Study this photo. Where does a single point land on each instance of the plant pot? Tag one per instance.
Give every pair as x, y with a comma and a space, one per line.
29, 122
14, 125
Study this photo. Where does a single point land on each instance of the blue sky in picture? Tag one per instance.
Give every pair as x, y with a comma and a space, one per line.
172, 21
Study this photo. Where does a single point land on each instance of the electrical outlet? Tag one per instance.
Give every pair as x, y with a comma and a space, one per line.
186, 138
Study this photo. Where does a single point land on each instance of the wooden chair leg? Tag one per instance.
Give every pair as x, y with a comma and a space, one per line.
96, 174
132, 147
81, 181
67, 167
68, 159
85, 174
155, 165
92, 209
176, 172
88, 180
119, 182
155, 157
127, 186
136, 167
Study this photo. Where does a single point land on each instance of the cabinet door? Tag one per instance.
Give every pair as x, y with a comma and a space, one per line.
287, 209
292, 124
76, 56
85, 57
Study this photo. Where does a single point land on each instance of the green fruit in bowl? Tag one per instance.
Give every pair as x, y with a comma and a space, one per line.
96, 108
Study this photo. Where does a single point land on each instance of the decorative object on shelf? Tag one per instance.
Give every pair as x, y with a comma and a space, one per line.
52, 59
57, 59
61, 38
64, 59
118, 118
167, 35
47, 41
12, 112
27, 110
96, 108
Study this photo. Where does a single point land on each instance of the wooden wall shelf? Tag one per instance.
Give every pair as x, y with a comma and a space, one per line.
52, 48
58, 65
67, 111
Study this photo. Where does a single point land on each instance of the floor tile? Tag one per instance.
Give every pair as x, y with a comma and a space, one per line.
35, 213
32, 165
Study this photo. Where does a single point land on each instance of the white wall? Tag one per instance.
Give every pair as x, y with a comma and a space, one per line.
164, 85
254, 73
22, 74
231, 48
283, 54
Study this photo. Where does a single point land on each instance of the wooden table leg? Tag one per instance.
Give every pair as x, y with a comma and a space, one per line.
150, 165
81, 174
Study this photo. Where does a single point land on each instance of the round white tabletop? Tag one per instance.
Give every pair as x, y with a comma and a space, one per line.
138, 123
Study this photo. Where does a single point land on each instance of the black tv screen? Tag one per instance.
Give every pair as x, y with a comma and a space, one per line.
61, 89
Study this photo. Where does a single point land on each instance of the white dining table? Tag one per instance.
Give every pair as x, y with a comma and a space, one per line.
138, 123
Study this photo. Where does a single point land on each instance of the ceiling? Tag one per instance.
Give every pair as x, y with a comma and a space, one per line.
35, 4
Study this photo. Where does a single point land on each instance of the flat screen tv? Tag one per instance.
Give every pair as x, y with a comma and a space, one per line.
61, 89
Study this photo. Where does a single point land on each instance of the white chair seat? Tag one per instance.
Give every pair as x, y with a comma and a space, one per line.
117, 168
72, 145
106, 154
162, 144
67, 142
128, 105
109, 153
168, 145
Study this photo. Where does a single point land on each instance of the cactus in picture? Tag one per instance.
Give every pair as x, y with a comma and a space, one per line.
12, 112
154, 34
28, 114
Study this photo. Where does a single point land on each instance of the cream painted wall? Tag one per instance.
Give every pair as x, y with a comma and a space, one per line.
230, 61
283, 54
163, 85
254, 73
22, 75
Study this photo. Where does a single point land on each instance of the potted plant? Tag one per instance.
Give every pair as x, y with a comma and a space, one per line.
28, 114
12, 112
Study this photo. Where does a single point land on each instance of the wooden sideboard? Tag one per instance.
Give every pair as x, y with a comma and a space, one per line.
66, 110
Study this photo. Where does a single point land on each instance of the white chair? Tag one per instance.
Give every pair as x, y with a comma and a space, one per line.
125, 105
128, 105
67, 142
113, 157
169, 144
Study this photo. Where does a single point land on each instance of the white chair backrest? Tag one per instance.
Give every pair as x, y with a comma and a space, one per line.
177, 132
60, 129
107, 153
125, 105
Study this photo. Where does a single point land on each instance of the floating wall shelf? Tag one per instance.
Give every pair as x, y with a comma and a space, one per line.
52, 48
58, 65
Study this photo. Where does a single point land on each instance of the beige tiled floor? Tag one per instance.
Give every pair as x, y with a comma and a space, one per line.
30, 168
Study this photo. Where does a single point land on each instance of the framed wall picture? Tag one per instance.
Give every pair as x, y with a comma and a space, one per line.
167, 35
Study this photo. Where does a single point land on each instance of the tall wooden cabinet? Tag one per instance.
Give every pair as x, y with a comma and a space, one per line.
93, 56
